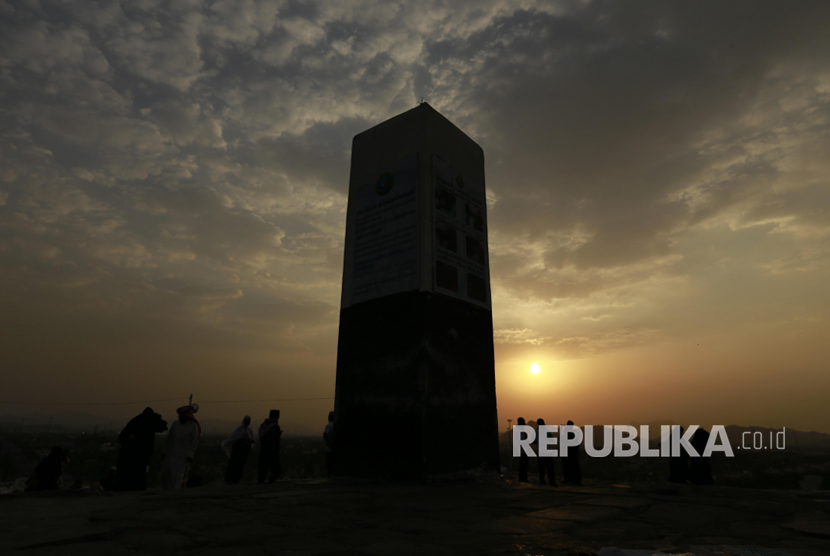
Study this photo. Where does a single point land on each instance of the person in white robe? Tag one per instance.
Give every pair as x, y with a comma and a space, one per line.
243, 431
181, 444
238, 446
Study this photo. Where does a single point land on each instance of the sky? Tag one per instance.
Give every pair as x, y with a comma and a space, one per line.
173, 181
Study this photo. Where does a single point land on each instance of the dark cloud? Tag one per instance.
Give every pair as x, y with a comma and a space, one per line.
175, 174
319, 156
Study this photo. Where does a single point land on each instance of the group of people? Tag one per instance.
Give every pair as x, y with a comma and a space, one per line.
239, 445
694, 470
138, 438
545, 464
137, 442
682, 468
241, 442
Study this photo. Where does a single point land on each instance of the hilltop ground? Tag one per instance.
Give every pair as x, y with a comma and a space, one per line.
348, 518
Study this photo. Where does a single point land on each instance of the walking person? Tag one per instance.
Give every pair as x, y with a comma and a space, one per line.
238, 446
181, 444
570, 463
546, 462
328, 433
269, 448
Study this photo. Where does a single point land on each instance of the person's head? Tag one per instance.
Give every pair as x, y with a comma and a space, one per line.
540, 422
520, 421
571, 423
246, 421
331, 416
274, 415
184, 413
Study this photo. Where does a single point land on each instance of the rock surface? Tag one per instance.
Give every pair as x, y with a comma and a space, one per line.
345, 518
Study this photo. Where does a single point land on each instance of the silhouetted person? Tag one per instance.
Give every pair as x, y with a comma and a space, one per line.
269, 447
137, 440
678, 464
570, 464
699, 471
238, 446
328, 436
545, 463
181, 444
49, 470
524, 459
110, 480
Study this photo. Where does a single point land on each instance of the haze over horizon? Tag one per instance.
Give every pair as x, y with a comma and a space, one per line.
173, 182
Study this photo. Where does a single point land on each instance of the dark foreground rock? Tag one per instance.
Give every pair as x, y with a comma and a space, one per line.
336, 518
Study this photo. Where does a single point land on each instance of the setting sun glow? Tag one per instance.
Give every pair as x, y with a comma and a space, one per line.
534, 368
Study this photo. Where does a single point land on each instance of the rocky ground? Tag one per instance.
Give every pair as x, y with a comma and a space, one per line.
348, 518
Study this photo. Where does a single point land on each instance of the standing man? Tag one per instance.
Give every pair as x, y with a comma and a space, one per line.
327, 436
546, 462
238, 446
181, 444
269, 447
570, 461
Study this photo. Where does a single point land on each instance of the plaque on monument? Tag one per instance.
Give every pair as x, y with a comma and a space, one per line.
460, 248
383, 228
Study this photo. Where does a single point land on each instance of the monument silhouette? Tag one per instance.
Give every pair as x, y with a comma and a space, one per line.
415, 394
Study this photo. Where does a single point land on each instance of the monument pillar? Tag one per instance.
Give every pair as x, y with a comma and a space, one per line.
415, 395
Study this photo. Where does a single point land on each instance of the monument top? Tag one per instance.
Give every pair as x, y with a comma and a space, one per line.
419, 130
417, 212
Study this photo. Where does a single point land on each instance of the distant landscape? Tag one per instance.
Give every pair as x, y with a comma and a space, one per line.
803, 464
78, 421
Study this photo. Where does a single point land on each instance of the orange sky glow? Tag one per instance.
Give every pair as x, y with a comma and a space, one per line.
173, 196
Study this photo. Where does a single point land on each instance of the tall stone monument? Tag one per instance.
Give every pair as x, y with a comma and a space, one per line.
416, 393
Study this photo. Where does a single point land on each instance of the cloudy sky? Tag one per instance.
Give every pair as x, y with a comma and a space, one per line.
173, 181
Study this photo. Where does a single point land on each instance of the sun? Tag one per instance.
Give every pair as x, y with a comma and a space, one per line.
534, 368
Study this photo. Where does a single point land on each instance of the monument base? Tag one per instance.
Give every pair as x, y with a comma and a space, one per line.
416, 392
